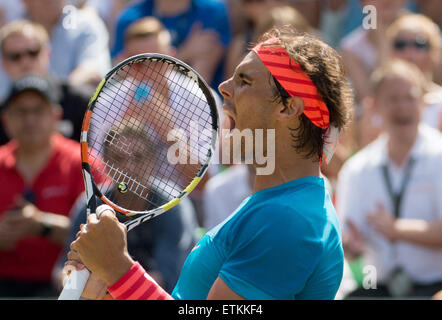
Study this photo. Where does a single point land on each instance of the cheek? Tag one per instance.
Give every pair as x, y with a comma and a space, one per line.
252, 111
13, 70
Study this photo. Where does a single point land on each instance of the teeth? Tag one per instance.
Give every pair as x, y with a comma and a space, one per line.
228, 122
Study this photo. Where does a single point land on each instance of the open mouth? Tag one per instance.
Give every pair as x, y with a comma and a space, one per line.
228, 123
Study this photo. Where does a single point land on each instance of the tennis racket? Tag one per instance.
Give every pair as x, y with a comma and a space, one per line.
147, 138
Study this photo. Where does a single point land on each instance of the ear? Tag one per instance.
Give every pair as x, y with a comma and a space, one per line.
293, 108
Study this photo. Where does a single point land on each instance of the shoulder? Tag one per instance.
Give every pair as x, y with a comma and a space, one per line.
273, 222
431, 140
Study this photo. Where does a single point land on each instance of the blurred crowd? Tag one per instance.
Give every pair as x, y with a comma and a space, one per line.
385, 177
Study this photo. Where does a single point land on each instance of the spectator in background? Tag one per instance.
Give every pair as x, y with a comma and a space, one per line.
10, 10
147, 35
200, 31
79, 41
252, 12
433, 9
263, 15
388, 194
41, 178
25, 49
363, 49
108, 11
417, 39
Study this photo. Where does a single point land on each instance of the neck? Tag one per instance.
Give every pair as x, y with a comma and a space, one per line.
398, 149
171, 7
290, 169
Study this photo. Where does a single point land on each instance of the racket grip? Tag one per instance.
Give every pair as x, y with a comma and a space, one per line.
75, 285
76, 282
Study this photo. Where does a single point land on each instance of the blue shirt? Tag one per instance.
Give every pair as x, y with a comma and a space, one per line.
212, 14
281, 243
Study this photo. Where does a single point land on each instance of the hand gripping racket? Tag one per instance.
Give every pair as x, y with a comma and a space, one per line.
147, 138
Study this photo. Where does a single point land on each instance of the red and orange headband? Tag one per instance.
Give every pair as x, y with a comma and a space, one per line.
294, 80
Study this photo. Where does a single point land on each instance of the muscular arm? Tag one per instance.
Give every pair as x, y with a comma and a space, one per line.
126, 279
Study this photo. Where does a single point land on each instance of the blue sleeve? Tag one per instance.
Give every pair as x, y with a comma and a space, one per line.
272, 255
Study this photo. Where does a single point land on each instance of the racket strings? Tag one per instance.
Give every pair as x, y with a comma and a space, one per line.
134, 97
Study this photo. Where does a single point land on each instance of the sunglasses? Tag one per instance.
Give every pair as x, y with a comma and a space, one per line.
17, 56
418, 44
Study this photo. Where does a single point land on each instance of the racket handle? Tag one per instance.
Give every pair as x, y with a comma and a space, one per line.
77, 279
75, 285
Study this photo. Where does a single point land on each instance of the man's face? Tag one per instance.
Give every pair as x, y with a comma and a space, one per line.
414, 47
248, 97
248, 94
23, 55
31, 119
147, 44
128, 153
399, 103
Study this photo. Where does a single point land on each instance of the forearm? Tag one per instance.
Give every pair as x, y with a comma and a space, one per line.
419, 232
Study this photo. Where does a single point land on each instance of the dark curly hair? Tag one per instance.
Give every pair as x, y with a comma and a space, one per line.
325, 68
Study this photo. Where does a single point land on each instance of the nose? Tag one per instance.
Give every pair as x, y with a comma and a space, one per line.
27, 64
225, 89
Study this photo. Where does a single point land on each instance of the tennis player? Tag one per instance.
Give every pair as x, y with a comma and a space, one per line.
283, 241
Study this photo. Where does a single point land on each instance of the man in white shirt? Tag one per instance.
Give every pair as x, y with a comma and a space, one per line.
389, 194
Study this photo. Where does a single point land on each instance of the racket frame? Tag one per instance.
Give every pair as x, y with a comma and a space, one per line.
91, 188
